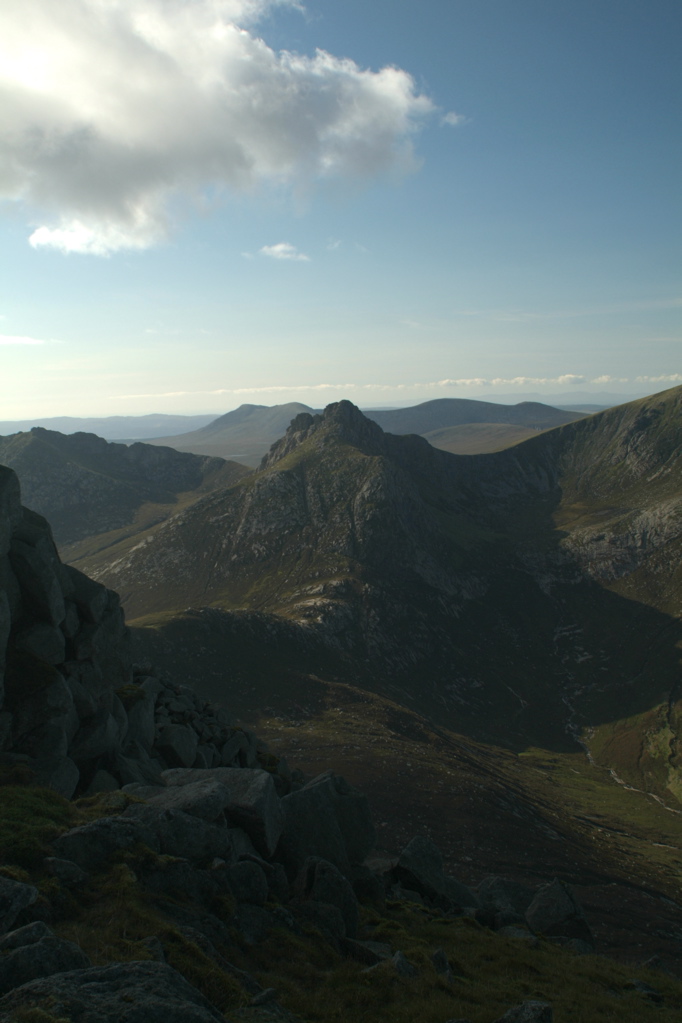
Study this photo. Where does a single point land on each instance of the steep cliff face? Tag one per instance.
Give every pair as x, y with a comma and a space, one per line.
74, 709
63, 646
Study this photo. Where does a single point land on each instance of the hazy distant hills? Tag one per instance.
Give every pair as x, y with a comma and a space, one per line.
521, 597
86, 486
246, 433
111, 427
442, 413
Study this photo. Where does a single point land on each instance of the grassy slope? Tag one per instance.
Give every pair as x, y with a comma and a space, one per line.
112, 915
478, 438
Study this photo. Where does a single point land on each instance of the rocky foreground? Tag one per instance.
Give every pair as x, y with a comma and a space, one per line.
157, 859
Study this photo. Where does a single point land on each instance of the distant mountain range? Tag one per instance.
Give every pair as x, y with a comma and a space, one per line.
129, 428
245, 434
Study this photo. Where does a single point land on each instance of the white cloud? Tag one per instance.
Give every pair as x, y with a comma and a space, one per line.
18, 339
669, 378
283, 250
454, 119
110, 108
418, 386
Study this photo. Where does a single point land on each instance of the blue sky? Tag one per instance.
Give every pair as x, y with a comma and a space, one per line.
456, 198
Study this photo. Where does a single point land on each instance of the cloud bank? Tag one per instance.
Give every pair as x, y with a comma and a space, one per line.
111, 109
563, 380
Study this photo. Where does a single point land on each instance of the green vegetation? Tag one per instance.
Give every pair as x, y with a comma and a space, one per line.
30, 818
491, 973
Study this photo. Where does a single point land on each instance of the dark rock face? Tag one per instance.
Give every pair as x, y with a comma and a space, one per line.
321, 881
326, 818
138, 992
34, 951
555, 912
14, 896
73, 707
420, 869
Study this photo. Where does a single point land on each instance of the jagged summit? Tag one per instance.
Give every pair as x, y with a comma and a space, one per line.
341, 421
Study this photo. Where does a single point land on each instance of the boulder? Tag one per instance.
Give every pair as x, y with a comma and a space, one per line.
206, 798
326, 818
248, 882
311, 828
136, 992
441, 965
252, 803
14, 896
34, 951
140, 711
177, 744
136, 767
398, 963
179, 834
96, 737
555, 911
501, 895
420, 869
26, 935
57, 773
352, 812
91, 844
321, 881
402, 965
44, 641
102, 781
67, 872
230, 749
83, 699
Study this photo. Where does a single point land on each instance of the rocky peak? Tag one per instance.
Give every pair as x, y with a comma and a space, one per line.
341, 422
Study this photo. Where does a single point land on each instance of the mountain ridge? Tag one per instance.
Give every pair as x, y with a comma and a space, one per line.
247, 432
440, 580
86, 485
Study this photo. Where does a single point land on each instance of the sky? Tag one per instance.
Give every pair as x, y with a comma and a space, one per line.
211, 202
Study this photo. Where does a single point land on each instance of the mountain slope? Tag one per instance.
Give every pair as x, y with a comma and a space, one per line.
478, 438
86, 486
446, 412
439, 581
244, 434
